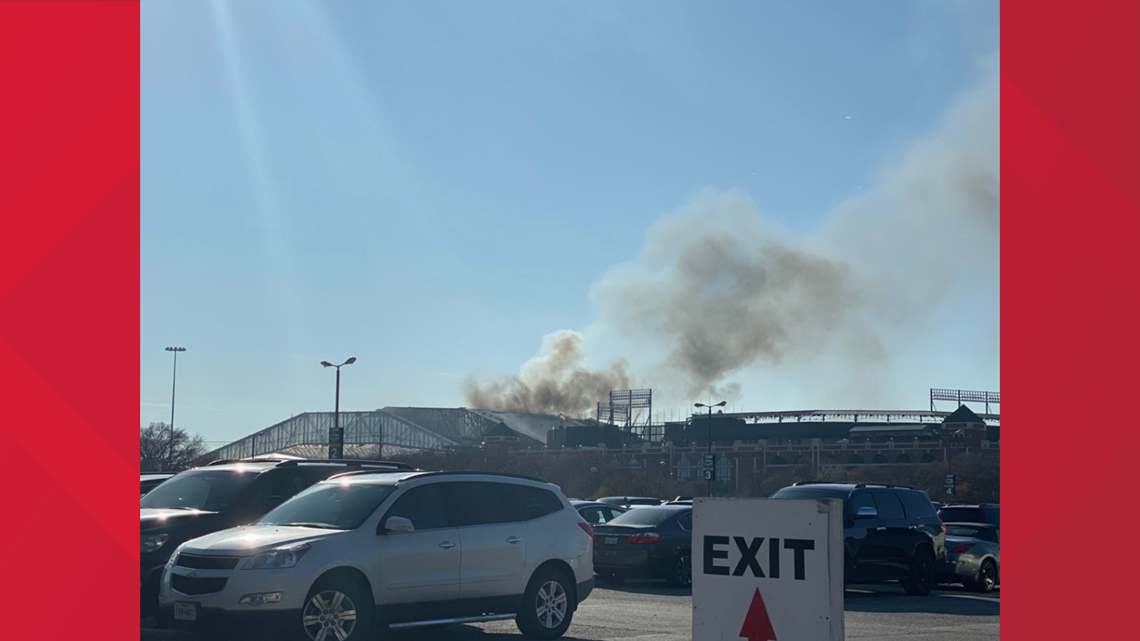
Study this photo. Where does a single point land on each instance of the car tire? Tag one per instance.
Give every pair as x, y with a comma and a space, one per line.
682, 573
611, 578
547, 605
987, 578
921, 579
330, 603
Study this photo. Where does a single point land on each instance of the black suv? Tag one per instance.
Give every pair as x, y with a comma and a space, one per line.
222, 495
891, 532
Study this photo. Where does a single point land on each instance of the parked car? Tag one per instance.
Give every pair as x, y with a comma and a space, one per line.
980, 513
891, 532
596, 513
649, 542
371, 550
630, 501
151, 480
973, 556
219, 496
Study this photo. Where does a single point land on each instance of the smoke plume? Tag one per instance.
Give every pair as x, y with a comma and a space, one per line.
555, 381
718, 290
724, 292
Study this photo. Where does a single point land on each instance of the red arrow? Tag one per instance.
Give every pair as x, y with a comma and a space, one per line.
757, 625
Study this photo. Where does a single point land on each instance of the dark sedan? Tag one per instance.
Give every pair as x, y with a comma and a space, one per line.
973, 556
649, 542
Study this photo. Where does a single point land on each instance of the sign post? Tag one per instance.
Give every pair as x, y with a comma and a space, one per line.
767, 570
709, 471
336, 442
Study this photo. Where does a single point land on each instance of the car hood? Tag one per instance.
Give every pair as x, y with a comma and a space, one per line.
254, 539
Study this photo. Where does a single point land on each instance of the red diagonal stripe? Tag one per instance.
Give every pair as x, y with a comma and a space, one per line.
60, 441
1097, 213
71, 186
66, 307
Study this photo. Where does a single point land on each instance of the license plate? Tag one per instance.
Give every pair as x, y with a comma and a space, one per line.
186, 611
611, 540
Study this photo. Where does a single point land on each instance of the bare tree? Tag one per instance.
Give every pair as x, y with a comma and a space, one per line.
155, 452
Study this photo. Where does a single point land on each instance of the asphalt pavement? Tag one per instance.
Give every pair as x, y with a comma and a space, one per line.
653, 612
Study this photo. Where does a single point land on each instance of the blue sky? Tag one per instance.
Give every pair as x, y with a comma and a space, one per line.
432, 187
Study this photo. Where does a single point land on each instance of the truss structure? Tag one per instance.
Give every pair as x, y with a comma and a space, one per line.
374, 430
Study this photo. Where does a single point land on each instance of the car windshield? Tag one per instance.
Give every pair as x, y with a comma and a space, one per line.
207, 490
336, 506
962, 515
645, 516
966, 531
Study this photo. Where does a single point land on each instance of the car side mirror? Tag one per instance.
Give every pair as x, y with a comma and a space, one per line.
864, 513
398, 525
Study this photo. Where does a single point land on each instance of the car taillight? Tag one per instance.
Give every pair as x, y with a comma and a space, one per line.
965, 547
587, 528
648, 538
943, 527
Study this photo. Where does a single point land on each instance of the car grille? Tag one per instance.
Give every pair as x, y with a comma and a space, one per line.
195, 586
207, 562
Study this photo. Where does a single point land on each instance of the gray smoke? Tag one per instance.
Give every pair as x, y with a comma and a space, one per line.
725, 292
555, 381
717, 290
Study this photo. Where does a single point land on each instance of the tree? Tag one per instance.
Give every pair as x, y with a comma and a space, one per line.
155, 449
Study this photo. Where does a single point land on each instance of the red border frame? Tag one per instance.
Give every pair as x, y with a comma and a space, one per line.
69, 313
1070, 102
69, 203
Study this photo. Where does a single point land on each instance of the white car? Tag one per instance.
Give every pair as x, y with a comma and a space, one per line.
376, 549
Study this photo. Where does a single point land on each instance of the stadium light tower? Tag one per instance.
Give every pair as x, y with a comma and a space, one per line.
336, 437
709, 456
173, 386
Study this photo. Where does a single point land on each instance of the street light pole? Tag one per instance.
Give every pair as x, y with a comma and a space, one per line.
173, 387
709, 456
336, 436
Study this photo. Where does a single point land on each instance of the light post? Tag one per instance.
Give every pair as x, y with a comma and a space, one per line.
336, 436
173, 387
710, 460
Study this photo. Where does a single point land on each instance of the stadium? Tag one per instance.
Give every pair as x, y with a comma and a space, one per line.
749, 442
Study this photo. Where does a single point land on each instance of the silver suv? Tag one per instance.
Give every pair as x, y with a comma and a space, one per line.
374, 549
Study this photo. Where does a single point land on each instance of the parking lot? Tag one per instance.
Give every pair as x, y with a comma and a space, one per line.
652, 612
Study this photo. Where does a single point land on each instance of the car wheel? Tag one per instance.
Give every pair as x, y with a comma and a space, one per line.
987, 577
921, 578
337, 610
546, 608
682, 576
611, 578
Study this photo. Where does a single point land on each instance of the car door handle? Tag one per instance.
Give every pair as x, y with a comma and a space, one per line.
912, 527
447, 545
513, 540
880, 529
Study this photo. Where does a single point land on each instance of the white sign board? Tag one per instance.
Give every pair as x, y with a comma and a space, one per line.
767, 570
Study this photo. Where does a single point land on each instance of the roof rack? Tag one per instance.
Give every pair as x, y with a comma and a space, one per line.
351, 462
292, 462
422, 473
889, 485
372, 471
857, 485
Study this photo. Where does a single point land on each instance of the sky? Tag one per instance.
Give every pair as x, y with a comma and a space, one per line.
453, 191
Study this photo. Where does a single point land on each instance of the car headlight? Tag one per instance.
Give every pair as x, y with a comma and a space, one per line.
152, 542
283, 557
173, 560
